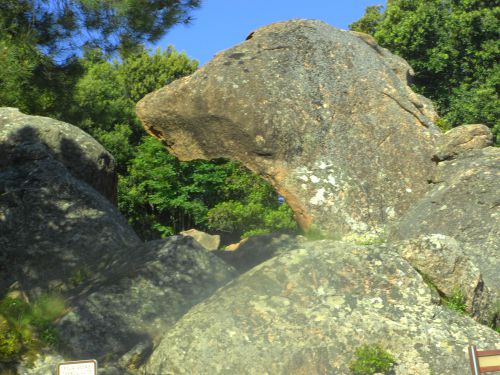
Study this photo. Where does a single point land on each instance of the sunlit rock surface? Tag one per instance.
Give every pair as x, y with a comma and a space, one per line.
445, 264
464, 203
325, 115
306, 311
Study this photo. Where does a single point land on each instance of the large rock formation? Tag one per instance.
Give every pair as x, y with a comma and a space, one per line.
54, 224
325, 115
463, 139
464, 203
307, 310
444, 263
81, 154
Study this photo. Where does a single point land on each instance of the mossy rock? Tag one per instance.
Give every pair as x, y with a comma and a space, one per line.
10, 341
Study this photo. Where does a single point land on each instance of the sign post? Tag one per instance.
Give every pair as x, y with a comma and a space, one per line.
88, 367
482, 361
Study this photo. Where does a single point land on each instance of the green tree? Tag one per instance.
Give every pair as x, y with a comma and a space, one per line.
162, 196
369, 22
60, 26
105, 96
31, 81
249, 206
453, 46
39, 41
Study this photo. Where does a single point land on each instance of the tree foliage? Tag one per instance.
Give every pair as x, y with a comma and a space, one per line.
162, 196
249, 206
453, 46
370, 21
60, 26
105, 96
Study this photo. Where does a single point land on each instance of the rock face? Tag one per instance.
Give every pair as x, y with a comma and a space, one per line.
443, 262
254, 250
307, 310
464, 203
126, 313
323, 114
81, 154
462, 139
207, 241
55, 228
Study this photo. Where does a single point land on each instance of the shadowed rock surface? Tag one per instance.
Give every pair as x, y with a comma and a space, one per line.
58, 234
323, 114
81, 154
306, 311
54, 226
132, 309
464, 203
254, 250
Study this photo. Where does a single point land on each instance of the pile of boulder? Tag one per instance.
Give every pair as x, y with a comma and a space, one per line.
409, 216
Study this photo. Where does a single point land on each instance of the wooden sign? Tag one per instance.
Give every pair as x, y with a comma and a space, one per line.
483, 361
77, 368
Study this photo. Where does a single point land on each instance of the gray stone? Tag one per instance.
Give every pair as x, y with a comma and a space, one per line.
463, 139
209, 242
325, 117
43, 364
443, 262
122, 317
464, 203
56, 230
59, 234
81, 154
307, 310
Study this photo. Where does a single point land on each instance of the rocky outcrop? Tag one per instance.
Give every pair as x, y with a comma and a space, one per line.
328, 118
116, 322
323, 114
307, 310
462, 139
81, 154
209, 242
464, 203
254, 250
55, 227
443, 263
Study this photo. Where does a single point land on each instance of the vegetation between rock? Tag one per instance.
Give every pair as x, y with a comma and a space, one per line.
371, 359
27, 327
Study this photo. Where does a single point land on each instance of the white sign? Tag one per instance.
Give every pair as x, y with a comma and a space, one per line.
77, 368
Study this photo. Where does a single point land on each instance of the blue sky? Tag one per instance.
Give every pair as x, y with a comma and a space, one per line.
220, 24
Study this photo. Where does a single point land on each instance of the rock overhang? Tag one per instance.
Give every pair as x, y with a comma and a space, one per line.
325, 115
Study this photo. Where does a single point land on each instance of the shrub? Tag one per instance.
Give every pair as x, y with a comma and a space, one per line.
456, 301
370, 359
25, 328
10, 341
